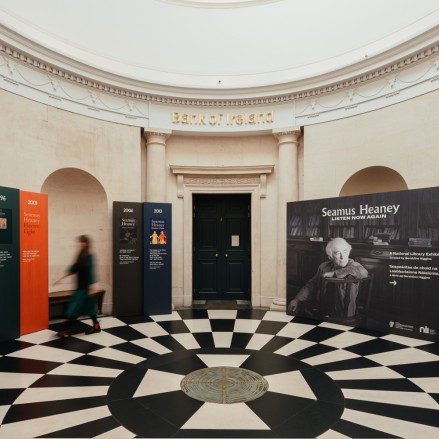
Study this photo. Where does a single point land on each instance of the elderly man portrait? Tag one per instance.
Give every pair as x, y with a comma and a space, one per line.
312, 302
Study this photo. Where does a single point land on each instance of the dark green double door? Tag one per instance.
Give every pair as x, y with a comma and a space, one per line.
221, 256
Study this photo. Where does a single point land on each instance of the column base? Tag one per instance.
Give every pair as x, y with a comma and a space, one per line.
279, 304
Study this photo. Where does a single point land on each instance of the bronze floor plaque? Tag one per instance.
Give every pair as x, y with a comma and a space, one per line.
224, 385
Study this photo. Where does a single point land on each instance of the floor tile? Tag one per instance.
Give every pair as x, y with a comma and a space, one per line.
198, 325
246, 325
223, 314
222, 339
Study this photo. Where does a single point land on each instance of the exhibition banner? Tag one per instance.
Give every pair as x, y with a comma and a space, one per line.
368, 260
9, 264
127, 258
158, 258
34, 286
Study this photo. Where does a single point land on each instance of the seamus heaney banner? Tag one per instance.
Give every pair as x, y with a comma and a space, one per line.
369, 260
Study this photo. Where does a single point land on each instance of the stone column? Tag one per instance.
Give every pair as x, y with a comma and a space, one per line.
287, 190
156, 171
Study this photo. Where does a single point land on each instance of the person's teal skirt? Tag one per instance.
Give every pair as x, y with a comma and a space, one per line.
81, 304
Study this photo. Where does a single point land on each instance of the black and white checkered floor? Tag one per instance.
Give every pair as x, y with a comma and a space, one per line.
324, 380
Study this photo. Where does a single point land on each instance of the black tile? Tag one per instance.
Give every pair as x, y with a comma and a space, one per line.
312, 351
73, 344
353, 430
269, 364
240, 340
191, 314
174, 326
275, 408
75, 326
24, 365
144, 423
86, 430
23, 412
134, 349
351, 363
319, 334
132, 320
393, 385
269, 327
275, 344
310, 422
92, 360
125, 385
222, 325
71, 381
435, 396
253, 434
404, 413
169, 342
10, 346
174, 407
254, 314
323, 387
432, 348
181, 366
376, 346
418, 370
305, 321
369, 332
204, 339
8, 396
125, 332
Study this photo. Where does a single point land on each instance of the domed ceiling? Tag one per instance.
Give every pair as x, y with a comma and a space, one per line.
219, 45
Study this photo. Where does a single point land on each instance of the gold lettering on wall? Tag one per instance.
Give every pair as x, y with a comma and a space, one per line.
223, 119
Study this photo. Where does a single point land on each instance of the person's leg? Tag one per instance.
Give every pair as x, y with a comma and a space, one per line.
67, 329
96, 327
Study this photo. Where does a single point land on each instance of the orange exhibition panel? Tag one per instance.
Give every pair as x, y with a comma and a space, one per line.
34, 301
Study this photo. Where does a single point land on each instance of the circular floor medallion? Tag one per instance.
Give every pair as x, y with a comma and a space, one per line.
224, 385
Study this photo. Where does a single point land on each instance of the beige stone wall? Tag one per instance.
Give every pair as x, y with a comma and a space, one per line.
222, 152
84, 163
403, 137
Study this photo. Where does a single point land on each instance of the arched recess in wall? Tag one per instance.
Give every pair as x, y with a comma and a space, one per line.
77, 205
373, 180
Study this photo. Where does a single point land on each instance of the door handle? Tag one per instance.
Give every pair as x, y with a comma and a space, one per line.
216, 254
226, 255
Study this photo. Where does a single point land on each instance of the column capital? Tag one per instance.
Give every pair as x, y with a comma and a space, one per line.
156, 135
284, 135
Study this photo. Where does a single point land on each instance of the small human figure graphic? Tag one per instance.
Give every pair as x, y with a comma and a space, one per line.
162, 237
154, 238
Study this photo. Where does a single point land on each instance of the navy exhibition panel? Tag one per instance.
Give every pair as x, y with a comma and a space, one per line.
127, 258
9, 264
157, 258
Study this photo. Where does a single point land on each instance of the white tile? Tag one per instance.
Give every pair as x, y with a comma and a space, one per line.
294, 346
117, 433
294, 330
212, 416
49, 424
222, 339
331, 434
11, 380
277, 316
3, 410
37, 394
368, 373
150, 329
39, 336
335, 326
187, 340
155, 382
151, 345
46, 353
248, 326
258, 341
222, 313
115, 354
411, 399
101, 338
167, 317
408, 341
330, 357
402, 356
89, 371
346, 339
290, 383
110, 322
391, 426
223, 360
430, 385
198, 325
